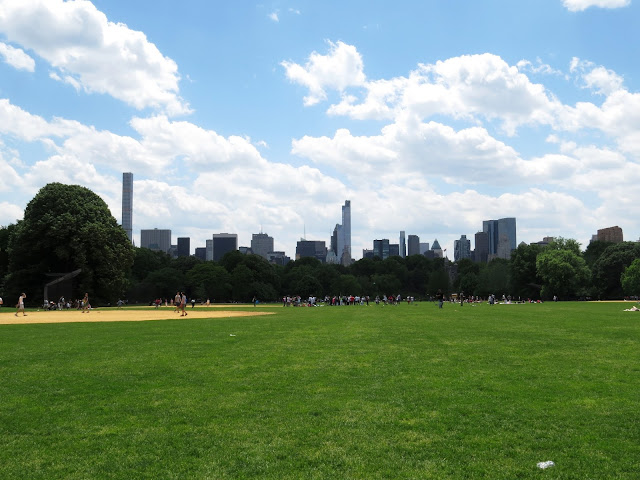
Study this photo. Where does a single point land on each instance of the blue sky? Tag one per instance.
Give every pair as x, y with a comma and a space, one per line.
430, 116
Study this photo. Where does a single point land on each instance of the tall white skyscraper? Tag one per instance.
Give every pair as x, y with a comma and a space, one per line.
345, 255
127, 204
403, 245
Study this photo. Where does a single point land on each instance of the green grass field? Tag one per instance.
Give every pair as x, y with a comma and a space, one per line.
333, 392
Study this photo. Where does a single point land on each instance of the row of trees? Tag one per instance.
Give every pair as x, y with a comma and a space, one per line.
67, 227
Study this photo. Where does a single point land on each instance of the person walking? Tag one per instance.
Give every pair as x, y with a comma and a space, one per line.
20, 305
85, 303
176, 302
440, 298
183, 304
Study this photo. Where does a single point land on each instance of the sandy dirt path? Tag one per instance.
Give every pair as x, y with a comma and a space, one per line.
115, 315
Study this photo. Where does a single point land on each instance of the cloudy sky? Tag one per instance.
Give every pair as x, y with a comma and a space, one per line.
429, 115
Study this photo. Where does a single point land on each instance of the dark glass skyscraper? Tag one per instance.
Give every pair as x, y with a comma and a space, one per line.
413, 245
381, 248
223, 243
481, 251
184, 246
502, 236
311, 248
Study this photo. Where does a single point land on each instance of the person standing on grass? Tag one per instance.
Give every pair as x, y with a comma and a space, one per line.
183, 304
85, 303
440, 298
176, 302
20, 306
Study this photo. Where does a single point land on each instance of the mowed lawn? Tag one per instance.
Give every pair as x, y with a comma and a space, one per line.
406, 391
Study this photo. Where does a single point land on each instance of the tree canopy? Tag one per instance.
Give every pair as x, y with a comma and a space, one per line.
609, 266
68, 227
563, 272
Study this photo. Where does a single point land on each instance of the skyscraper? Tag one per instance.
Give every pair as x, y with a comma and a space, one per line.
261, 244
184, 246
413, 245
502, 237
461, 248
223, 243
345, 255
436, 249
403, 245
201, 253
341, 237
381, 248
337, 242
311, 248
481, 252
156, 239
209, 249
127, 204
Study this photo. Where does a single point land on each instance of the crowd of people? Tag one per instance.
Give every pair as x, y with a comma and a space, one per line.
337, 300
63, 304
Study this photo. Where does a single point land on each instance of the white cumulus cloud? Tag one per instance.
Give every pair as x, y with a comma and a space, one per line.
342, 67
17, 58
580, 5
89, 51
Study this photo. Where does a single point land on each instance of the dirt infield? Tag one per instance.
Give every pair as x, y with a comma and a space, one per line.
115, 315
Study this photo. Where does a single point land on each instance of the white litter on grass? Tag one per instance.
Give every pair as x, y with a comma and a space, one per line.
546, 464
231, 335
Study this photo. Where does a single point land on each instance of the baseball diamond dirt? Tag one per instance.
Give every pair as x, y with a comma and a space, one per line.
117, 315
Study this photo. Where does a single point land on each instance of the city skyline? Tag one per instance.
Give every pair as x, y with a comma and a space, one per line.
496, 239
429, 118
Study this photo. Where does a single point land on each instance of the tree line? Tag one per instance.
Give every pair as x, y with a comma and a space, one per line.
67, 227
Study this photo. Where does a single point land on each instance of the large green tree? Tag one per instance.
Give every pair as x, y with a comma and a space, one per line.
563, 272
68, 227
594, 250
609, 266
208, 280
494, 278
5, 234
630, 278
525, 282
